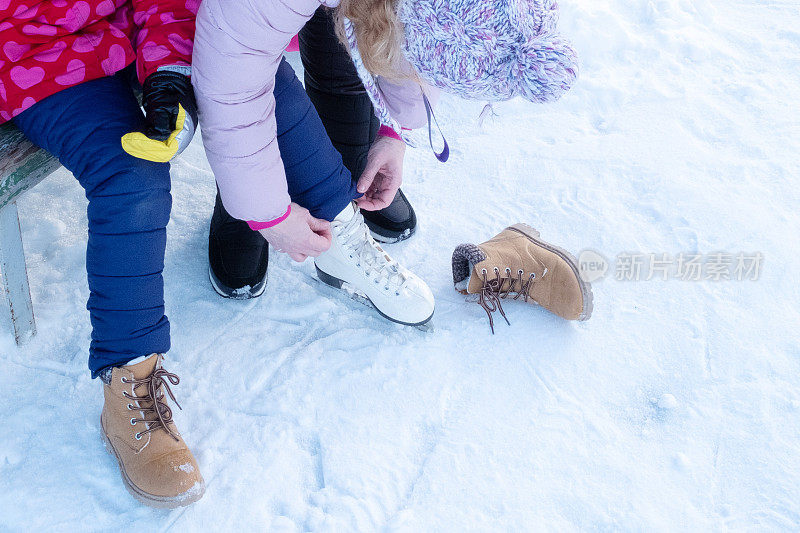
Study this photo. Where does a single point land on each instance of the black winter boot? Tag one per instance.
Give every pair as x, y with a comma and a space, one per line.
237, 256
342, 103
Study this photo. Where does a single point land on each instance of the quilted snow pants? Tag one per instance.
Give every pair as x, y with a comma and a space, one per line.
129, 207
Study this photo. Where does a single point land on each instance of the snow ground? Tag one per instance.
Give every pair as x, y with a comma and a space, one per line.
676, 407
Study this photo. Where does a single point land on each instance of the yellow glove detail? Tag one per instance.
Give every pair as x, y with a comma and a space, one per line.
139, 145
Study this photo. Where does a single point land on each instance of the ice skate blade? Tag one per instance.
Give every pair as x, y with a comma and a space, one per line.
427, 327
359, 296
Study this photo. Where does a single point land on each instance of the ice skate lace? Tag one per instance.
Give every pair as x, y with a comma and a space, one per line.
492, 291
358, 244
152, 403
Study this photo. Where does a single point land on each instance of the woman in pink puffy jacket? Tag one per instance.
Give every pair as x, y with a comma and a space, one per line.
276, 171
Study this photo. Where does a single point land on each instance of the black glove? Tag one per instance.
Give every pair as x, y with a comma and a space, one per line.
170, 116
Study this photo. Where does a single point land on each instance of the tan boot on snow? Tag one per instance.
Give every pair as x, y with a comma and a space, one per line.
517, 263
156, 465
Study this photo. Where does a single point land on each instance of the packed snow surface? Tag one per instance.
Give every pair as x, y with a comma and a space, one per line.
677, 406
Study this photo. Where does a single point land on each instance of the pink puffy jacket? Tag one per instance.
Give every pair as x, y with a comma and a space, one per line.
238, 47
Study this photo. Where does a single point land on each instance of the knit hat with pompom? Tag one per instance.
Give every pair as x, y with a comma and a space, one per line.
489, 49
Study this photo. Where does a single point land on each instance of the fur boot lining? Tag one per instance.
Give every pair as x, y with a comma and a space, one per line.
465, 257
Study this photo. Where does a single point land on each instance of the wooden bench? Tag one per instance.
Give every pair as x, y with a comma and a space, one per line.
22, 165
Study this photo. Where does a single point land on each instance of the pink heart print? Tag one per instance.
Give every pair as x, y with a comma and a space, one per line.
141, 36
192, 5
105, 8
43, 29
82, 12
182, 46
25, 78
76, 72
2, 90
153, 52
26, 103
14, 51
51, 55
4, 4
25, 12
115, 61
82, 45
76, 16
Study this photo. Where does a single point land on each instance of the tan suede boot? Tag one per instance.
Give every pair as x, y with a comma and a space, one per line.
519, 264
156, 465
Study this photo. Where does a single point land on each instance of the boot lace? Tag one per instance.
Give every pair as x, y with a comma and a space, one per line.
156, 412
492, 291
355, 240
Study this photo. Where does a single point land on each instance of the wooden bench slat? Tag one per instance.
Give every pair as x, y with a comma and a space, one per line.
22, 163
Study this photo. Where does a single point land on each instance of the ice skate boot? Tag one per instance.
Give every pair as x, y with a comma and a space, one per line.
357, 264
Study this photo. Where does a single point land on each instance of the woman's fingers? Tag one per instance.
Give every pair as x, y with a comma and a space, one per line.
365, 203
298, 257
368, 176
318, 244
320, 226
371, 204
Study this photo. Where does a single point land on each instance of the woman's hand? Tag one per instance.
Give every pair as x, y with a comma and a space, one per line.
383, 175
300, 235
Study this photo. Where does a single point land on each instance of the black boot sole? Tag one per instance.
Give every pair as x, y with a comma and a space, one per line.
244, 293
384, 236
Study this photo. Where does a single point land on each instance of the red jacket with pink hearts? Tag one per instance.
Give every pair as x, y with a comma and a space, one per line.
49, 45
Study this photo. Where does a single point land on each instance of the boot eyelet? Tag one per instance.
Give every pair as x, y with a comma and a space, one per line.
508, 271
533, 275
483, 271
520, 271
123, 380
133, 421
138, 436
130, 407
496, 270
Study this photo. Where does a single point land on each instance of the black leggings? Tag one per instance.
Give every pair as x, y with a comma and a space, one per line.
336, 91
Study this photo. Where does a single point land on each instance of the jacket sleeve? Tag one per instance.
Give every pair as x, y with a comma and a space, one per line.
404, 98
166, 32
238, 47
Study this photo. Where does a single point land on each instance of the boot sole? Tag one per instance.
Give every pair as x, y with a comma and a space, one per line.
586, 288
159, 502
395, 238
234, 294
343, 285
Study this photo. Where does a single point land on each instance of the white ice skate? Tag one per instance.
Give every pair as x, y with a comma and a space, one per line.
358, 265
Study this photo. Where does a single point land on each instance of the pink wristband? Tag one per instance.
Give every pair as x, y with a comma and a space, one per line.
255, 226
386, 131
294, 45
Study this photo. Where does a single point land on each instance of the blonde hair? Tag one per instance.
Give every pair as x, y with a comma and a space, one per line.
378, 32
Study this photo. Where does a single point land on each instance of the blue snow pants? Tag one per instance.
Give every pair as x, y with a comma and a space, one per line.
130, 201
